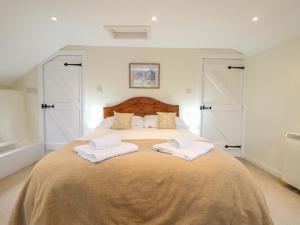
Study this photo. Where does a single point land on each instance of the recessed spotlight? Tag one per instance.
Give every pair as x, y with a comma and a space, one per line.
154, 18
53, 18
255, 19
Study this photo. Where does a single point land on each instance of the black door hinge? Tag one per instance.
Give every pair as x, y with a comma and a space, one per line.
73, 64
233, 146
236, 67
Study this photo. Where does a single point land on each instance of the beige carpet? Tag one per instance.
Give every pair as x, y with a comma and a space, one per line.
9, 190
284, 201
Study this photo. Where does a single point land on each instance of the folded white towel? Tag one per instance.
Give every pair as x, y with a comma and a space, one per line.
81, 148
183, 141
106, 141
100, 155
190, 153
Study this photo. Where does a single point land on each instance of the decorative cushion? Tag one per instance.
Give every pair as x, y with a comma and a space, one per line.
166, 120
122, 121
150, 121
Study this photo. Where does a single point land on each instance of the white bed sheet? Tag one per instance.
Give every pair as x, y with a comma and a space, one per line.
141, 133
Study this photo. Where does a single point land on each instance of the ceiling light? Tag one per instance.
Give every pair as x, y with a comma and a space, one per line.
154, 18
53, 18
255, 19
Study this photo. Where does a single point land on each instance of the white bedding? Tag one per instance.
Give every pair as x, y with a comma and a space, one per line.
140, 133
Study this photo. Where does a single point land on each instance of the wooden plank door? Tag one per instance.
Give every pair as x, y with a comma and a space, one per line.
222, 107
62, 100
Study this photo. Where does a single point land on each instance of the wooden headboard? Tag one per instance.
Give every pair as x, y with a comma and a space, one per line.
140, 106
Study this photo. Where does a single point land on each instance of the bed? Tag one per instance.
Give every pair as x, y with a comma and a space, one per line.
145, 187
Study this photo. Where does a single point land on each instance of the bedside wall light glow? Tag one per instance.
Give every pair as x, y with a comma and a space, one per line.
191, 116
94, 116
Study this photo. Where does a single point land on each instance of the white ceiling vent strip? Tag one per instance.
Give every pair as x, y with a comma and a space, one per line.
129, 32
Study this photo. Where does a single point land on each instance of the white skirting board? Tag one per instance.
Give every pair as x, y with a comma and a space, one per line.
262, 165
16, 159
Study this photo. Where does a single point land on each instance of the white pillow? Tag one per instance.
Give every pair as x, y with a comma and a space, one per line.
150, 121
107, 122
137, 122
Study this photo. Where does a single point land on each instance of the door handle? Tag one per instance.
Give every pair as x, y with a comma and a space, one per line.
45, 106
204, 107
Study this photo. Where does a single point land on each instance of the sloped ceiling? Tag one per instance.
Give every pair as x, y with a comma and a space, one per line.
28, 36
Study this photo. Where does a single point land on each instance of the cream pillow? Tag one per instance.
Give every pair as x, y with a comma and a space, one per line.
166, 120
122, 121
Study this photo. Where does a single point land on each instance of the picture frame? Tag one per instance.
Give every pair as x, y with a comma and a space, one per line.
144, 75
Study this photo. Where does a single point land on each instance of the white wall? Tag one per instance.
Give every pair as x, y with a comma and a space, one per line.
109, 67
19, 121
14, 124
272, 103
28, 85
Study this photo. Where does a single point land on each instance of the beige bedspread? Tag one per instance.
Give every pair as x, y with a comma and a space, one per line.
146, 187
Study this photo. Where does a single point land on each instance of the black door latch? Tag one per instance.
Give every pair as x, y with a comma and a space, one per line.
203, 107
45, 106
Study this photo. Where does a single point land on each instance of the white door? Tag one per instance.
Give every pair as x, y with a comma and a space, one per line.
62, 100
221, 117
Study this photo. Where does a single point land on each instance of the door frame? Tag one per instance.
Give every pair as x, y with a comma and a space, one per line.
41, 119
224, 56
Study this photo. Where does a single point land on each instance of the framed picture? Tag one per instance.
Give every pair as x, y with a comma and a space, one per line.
144, 75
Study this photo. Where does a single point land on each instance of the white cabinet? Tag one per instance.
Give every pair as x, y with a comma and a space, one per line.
291, 168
